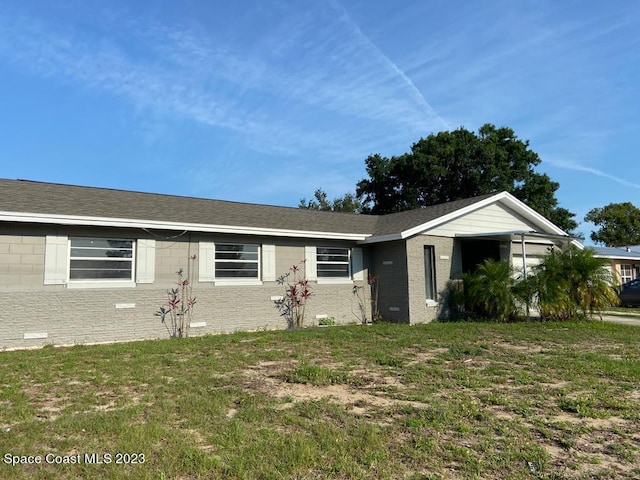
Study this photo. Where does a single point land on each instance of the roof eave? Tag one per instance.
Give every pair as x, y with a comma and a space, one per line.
23, 217
505, 197
381, 238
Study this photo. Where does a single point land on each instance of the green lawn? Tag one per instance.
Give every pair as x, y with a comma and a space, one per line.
453, 400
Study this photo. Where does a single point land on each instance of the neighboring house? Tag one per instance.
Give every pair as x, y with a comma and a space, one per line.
84, 265
624, 262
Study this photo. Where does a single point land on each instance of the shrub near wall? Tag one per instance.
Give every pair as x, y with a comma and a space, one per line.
572, 283
565, 285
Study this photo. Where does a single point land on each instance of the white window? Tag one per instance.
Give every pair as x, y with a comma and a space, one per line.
430, 273
102, 259
98, 262
333, 262
626, 273
237, 260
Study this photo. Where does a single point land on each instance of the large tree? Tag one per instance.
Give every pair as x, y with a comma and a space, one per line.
619, 224
460, 164
347, 203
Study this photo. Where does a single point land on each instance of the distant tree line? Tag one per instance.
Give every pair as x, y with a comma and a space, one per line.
459, 164
449, 166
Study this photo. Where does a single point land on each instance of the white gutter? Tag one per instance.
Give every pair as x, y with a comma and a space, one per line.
174, 226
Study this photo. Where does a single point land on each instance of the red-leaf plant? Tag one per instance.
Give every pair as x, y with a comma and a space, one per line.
297, 291
180, 304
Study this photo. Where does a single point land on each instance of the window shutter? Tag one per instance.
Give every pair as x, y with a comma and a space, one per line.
268, 263
145, 261
357, 267
310, 264
206, 262
56, 259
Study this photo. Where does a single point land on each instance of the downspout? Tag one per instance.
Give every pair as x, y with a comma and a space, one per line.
524, 256
524, 270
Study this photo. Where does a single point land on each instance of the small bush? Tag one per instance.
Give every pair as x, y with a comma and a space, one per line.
296, 293
490, 291
180, 304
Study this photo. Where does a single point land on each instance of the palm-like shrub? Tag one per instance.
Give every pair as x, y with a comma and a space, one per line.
571, 283
548, 290
489, 291
565, 285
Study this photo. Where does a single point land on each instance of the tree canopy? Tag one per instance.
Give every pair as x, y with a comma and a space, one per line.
347, 203
459, 164
619, 224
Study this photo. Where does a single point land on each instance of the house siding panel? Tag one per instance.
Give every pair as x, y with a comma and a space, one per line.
492, 218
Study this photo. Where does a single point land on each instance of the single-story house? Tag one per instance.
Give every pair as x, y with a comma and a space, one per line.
84, 265
624, 262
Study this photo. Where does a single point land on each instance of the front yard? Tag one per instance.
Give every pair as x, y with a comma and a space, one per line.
454, 400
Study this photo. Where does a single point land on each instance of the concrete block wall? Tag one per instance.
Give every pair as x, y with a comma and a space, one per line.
21, 261
34, 314
419, 310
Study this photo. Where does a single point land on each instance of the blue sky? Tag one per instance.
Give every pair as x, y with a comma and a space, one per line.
265, 101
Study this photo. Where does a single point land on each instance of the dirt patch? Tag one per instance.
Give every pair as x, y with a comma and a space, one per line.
523, 348
266, 377
425, 357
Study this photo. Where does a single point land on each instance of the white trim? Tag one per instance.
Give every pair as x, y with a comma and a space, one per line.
310, 265
125, 305
34, 335
206, 262
504, 197
162, 225
339, 279
239, 280
80, 284
56, 260
382, 238
268, 263
197, 324
616, 257
229, 282
334, 281
103, 283
146, 261
431, 303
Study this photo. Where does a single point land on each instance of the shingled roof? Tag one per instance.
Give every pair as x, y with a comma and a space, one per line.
57, 199
402, 221
51, 199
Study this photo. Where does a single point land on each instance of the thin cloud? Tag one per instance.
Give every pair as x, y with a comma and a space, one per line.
192, 75
395, 71
591, 170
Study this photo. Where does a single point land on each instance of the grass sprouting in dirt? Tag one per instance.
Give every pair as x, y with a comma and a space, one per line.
453, 400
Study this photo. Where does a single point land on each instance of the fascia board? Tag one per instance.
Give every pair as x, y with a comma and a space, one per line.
509, 200
616, 257
381, 238
530, 214
450, 216
152, 224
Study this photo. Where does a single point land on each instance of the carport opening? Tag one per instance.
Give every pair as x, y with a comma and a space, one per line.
474, 252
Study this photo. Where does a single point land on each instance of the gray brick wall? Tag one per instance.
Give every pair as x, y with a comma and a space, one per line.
71, 316
445, 265
21, 261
